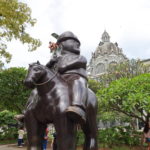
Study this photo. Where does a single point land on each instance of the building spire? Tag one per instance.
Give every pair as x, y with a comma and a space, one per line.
105, 37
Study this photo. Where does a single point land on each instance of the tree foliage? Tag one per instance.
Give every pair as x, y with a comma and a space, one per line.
7, 117
130, 96
15, 17
13, 94
8, 125
128, 69
94, 85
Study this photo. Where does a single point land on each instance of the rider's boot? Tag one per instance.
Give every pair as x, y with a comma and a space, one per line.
76, 113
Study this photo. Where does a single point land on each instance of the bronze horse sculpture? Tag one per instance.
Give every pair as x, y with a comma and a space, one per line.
47, 104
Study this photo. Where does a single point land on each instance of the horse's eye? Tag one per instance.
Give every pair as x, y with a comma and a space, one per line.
36, 69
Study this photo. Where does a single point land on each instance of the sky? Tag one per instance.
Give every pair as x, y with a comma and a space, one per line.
126, 21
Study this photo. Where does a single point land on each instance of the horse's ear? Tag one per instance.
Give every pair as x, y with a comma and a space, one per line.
38, 62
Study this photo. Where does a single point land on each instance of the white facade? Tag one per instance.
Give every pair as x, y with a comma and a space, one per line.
106, 54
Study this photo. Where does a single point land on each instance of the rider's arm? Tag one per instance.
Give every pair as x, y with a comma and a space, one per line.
51, 63
71, 62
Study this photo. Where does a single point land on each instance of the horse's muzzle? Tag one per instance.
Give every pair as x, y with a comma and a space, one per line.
29, 84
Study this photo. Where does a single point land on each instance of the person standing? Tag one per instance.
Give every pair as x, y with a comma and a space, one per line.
45, 139
20, 137
54, 142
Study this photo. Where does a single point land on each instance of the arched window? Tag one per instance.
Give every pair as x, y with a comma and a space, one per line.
112, 65
100, 68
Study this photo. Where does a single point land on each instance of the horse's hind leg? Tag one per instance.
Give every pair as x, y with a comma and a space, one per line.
90, 131
35, 132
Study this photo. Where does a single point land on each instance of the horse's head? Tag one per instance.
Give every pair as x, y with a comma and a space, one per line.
36, 71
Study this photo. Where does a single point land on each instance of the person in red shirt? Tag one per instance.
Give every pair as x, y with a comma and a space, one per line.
45, 139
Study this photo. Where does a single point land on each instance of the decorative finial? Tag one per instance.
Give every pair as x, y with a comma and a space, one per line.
105, 37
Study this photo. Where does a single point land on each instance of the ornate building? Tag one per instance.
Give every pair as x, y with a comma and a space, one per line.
146, 62
105, 55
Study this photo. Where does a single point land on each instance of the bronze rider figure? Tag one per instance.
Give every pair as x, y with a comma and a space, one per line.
72, 67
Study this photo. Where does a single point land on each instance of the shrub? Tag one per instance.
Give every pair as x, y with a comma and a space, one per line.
119, 136
115, 136
8, 126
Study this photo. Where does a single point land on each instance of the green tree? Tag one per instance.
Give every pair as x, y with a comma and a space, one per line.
7, 117
130, 96
128, 69
15, 17
94, 85
13, 94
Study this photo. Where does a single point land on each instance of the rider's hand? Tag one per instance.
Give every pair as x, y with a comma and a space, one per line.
53, 46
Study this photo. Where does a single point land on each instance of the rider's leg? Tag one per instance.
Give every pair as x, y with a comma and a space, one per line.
79, 91
79, 96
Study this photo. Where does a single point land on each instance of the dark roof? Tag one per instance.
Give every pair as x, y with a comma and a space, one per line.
145, 60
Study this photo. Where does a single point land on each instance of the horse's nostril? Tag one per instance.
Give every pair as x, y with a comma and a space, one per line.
28, 83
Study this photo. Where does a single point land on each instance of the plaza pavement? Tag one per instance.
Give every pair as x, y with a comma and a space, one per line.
11, 147
15, 147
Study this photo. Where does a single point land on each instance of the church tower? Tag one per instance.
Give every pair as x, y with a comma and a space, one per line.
106, 54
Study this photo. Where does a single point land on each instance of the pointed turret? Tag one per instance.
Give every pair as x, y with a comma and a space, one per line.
105, 37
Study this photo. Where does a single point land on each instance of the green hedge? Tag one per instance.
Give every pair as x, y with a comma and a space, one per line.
8, 129
114, 136
8, 134
119, 136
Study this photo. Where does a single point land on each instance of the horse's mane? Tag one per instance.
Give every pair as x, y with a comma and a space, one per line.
42, 66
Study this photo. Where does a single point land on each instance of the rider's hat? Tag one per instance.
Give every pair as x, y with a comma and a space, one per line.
66, 36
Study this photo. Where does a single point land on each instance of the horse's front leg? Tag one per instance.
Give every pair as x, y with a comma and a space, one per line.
35, 132
65, 133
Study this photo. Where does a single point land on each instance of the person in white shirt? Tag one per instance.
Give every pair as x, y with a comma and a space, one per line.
20, 136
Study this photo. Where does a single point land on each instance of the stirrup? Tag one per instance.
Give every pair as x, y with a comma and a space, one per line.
76, 114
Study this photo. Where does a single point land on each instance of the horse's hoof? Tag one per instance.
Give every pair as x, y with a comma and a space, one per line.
76, 114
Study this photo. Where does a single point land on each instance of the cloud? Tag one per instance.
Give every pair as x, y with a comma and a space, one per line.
126, 21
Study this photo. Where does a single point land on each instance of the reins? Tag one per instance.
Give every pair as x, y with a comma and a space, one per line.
38, 84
